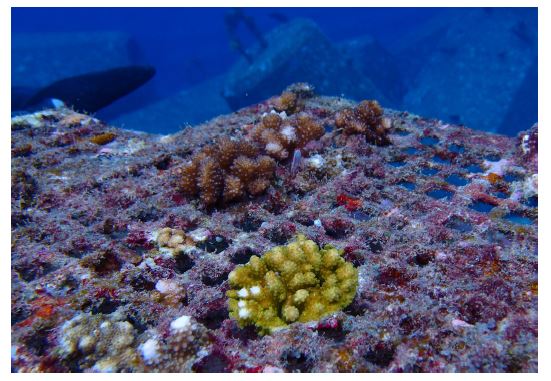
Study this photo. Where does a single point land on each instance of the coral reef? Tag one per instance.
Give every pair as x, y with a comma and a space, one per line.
230, 170
297, 282
227, 172
365, 119
441, 226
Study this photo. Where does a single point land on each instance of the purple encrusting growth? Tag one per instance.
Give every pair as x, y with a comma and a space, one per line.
446, 284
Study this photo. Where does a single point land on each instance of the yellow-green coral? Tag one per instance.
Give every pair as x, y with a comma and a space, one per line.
298, 282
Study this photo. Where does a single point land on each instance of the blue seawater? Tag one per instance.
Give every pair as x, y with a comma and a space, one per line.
195, 52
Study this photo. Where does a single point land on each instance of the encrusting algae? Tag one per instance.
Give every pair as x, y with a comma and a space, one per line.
298, 282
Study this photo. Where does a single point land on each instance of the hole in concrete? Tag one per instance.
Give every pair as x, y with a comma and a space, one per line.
248, 223
376, 245
106, 307
424, 258
214, 244
440, 194
439, 160
411, 150
407, 184
140, 283
215, 362
493, 157
242, 255
481, 206
381, 354
459, 224
213, 319
474, 168
278, 235
397, 163
501, 195
512, 177
297, 361
532, 202
429, 171
37, 343
429, 141
360, 216
401, 132
183, 263
214, 279
456, 148
457, 180
518, 219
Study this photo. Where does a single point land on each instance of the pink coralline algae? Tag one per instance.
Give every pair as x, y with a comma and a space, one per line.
115, 269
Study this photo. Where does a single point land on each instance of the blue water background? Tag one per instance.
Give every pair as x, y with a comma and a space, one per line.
190, 45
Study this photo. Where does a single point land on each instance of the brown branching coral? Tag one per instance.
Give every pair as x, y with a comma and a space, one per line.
288, 102
292, 99
227, 172
279, 137
366, 119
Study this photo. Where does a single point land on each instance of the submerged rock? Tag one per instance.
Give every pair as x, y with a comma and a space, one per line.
492, 54
114, 268
296, 51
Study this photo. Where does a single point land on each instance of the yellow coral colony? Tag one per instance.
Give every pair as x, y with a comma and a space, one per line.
298, 282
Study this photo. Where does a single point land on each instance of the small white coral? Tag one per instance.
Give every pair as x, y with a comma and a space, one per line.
167, 286
316, 161
183, 323
176, 352
199, 235
150, 351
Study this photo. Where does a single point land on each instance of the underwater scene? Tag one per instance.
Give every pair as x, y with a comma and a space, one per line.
274, 190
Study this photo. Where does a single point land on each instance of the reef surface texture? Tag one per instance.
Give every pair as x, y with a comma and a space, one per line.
115, 269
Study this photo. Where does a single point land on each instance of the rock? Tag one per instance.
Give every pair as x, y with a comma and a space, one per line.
368, 57
297, 52
188, 107
490, 53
